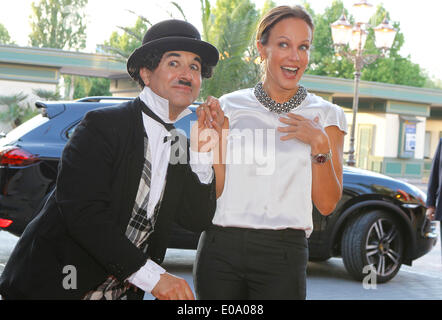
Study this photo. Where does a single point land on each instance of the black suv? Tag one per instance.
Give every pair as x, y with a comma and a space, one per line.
379, 221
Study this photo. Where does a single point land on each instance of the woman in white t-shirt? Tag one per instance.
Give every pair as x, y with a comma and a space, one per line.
283, 151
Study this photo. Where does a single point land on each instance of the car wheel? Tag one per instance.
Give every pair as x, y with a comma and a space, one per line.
373, 239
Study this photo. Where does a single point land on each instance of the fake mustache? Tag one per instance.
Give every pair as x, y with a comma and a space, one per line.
185, 83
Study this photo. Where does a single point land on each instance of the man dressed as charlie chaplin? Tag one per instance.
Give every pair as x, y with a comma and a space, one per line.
123, 179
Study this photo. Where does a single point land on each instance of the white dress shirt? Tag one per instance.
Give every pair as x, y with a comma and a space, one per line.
201, 163
268, 182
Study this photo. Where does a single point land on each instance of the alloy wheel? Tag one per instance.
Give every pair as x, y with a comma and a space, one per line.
383, 248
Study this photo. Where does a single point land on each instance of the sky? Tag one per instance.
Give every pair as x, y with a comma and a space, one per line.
420, 21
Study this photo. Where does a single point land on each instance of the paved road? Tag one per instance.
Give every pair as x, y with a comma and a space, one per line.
326, 280
330, 281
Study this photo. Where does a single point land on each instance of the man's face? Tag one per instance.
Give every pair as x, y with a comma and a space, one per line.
177, 79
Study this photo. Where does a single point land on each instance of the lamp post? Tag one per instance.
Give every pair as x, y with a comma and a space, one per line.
354, 36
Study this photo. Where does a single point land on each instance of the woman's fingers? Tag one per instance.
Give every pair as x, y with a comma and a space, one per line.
288, 137
201, 116
287, 129
204, 116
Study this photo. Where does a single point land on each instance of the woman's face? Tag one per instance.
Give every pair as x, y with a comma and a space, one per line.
287, 55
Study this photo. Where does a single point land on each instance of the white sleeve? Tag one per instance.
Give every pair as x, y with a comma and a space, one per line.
223, 101
201, 164
336, 117
147, 277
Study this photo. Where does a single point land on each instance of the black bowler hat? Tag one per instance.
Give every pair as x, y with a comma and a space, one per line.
172, 35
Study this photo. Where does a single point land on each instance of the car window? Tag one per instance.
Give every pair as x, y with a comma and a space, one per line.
186, 122
23, 129
71, 130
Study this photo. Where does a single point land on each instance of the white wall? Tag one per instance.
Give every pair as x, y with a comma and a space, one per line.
392, 135
13, 87
380, 127
386, 133
420, 138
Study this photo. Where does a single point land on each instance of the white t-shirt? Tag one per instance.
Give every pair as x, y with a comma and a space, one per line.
268, 181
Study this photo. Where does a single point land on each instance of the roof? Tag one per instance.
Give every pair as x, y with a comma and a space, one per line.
370, 89
67, 62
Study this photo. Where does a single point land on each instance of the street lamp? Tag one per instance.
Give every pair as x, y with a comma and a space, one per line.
355, 36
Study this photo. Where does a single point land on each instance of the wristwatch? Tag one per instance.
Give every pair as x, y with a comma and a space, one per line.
321, 158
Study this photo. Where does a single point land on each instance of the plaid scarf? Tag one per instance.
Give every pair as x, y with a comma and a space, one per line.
140, 227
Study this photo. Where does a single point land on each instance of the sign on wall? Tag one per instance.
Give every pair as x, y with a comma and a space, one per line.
410, 136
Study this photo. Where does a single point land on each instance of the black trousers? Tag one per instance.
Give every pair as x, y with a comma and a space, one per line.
249, 264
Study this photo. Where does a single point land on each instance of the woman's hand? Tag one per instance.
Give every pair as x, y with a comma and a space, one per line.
207, 132
305, 130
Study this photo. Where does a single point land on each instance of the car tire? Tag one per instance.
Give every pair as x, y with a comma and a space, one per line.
373, 241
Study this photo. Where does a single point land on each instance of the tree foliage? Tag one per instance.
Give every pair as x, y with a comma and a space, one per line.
4, 35
47, 95
230, 26
17, 109
87, 86
59, 24
124, 44
393, 69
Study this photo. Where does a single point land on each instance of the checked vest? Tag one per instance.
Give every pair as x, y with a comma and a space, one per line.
140, 226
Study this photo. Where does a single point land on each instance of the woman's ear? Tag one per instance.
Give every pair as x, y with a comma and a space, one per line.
145, 75
261, 50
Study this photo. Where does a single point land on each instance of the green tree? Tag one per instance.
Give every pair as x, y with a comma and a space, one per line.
47, 94
124, 44
88, 86
18, 110
4, 35
99, 87
323, 60
393, 68
231, 26
58, 24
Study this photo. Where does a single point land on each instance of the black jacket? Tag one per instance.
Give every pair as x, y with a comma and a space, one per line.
434, 192
83, 223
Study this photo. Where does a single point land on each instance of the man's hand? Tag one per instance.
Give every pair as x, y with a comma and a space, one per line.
172, 288
431, 211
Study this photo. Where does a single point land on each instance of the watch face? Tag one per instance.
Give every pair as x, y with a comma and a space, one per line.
321, 158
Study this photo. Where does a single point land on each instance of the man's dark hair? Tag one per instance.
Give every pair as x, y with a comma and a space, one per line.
152, 59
